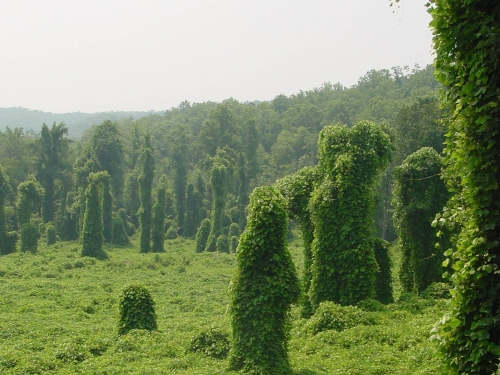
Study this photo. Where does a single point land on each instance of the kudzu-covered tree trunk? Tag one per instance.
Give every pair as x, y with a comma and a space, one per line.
264, 286
218, 182
158, 231
29, 196
4, 191
193, 205
383, 281
467, 44
344, 267
202, 235
419, 194
107, 210
145, 189
297, 190
93, 228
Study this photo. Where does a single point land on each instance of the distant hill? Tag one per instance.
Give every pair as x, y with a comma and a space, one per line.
76, 122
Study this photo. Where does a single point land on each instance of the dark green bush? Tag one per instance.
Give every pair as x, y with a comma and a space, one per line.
329, 315
202, 235
29, 237
437, 291
211, 343
223, 244
136, 309
10, 243
51, 235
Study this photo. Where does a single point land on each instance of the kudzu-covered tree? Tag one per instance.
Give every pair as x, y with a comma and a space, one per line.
202, 235
119, 232
132, 200
29, 197
297, 190
93, 228
145, 189
51, 234
223, 244
344, 267
383, 281
158, 230
467, 44
193, 205
7, 240
52, 147
419, 194
264, 286
107, 210
218, 181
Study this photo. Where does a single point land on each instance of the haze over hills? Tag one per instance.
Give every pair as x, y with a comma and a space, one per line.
76, 122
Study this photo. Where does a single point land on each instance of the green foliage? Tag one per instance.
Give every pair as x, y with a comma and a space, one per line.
233, 243
107, 145
202, 235
158, 230
51, 234
119, 232
4, 191
129, 227
171, 233
263, 287
223, 244
29, 237
211, 343
234, 230
107, 211
137, 309
383, 281
419, 194
297, 190
29, 196
145, 189
467, 44
52, 149
218, 181
193, 205
92, 233
330, 316
344, 267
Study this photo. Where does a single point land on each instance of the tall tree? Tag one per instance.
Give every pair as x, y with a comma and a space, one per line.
145, 191
342, 205
158, 229
264, 286
467, 44
419, 194
93, 227
107, 145
51, 151
218, 181
107, 210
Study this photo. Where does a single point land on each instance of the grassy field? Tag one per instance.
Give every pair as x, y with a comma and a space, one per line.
59, 313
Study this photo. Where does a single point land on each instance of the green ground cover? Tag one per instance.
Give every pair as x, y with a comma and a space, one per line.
59, 314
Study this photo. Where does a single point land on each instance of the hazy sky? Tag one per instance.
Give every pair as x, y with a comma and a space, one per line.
102, 55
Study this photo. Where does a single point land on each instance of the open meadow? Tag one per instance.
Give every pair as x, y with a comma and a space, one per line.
59, 315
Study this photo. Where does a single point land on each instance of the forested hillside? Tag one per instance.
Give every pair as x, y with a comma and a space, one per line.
261, 143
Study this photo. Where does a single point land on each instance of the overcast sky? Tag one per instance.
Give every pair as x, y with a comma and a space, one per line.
102, 55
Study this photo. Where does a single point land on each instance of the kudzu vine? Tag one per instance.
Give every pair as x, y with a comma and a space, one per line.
344, 267
264, 286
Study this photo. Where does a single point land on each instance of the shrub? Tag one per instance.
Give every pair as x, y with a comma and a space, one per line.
202, 235
234, 230
223, 244
29, 237
171, 233
329, 315
211, 343
437, 291
136, 309
51, 235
